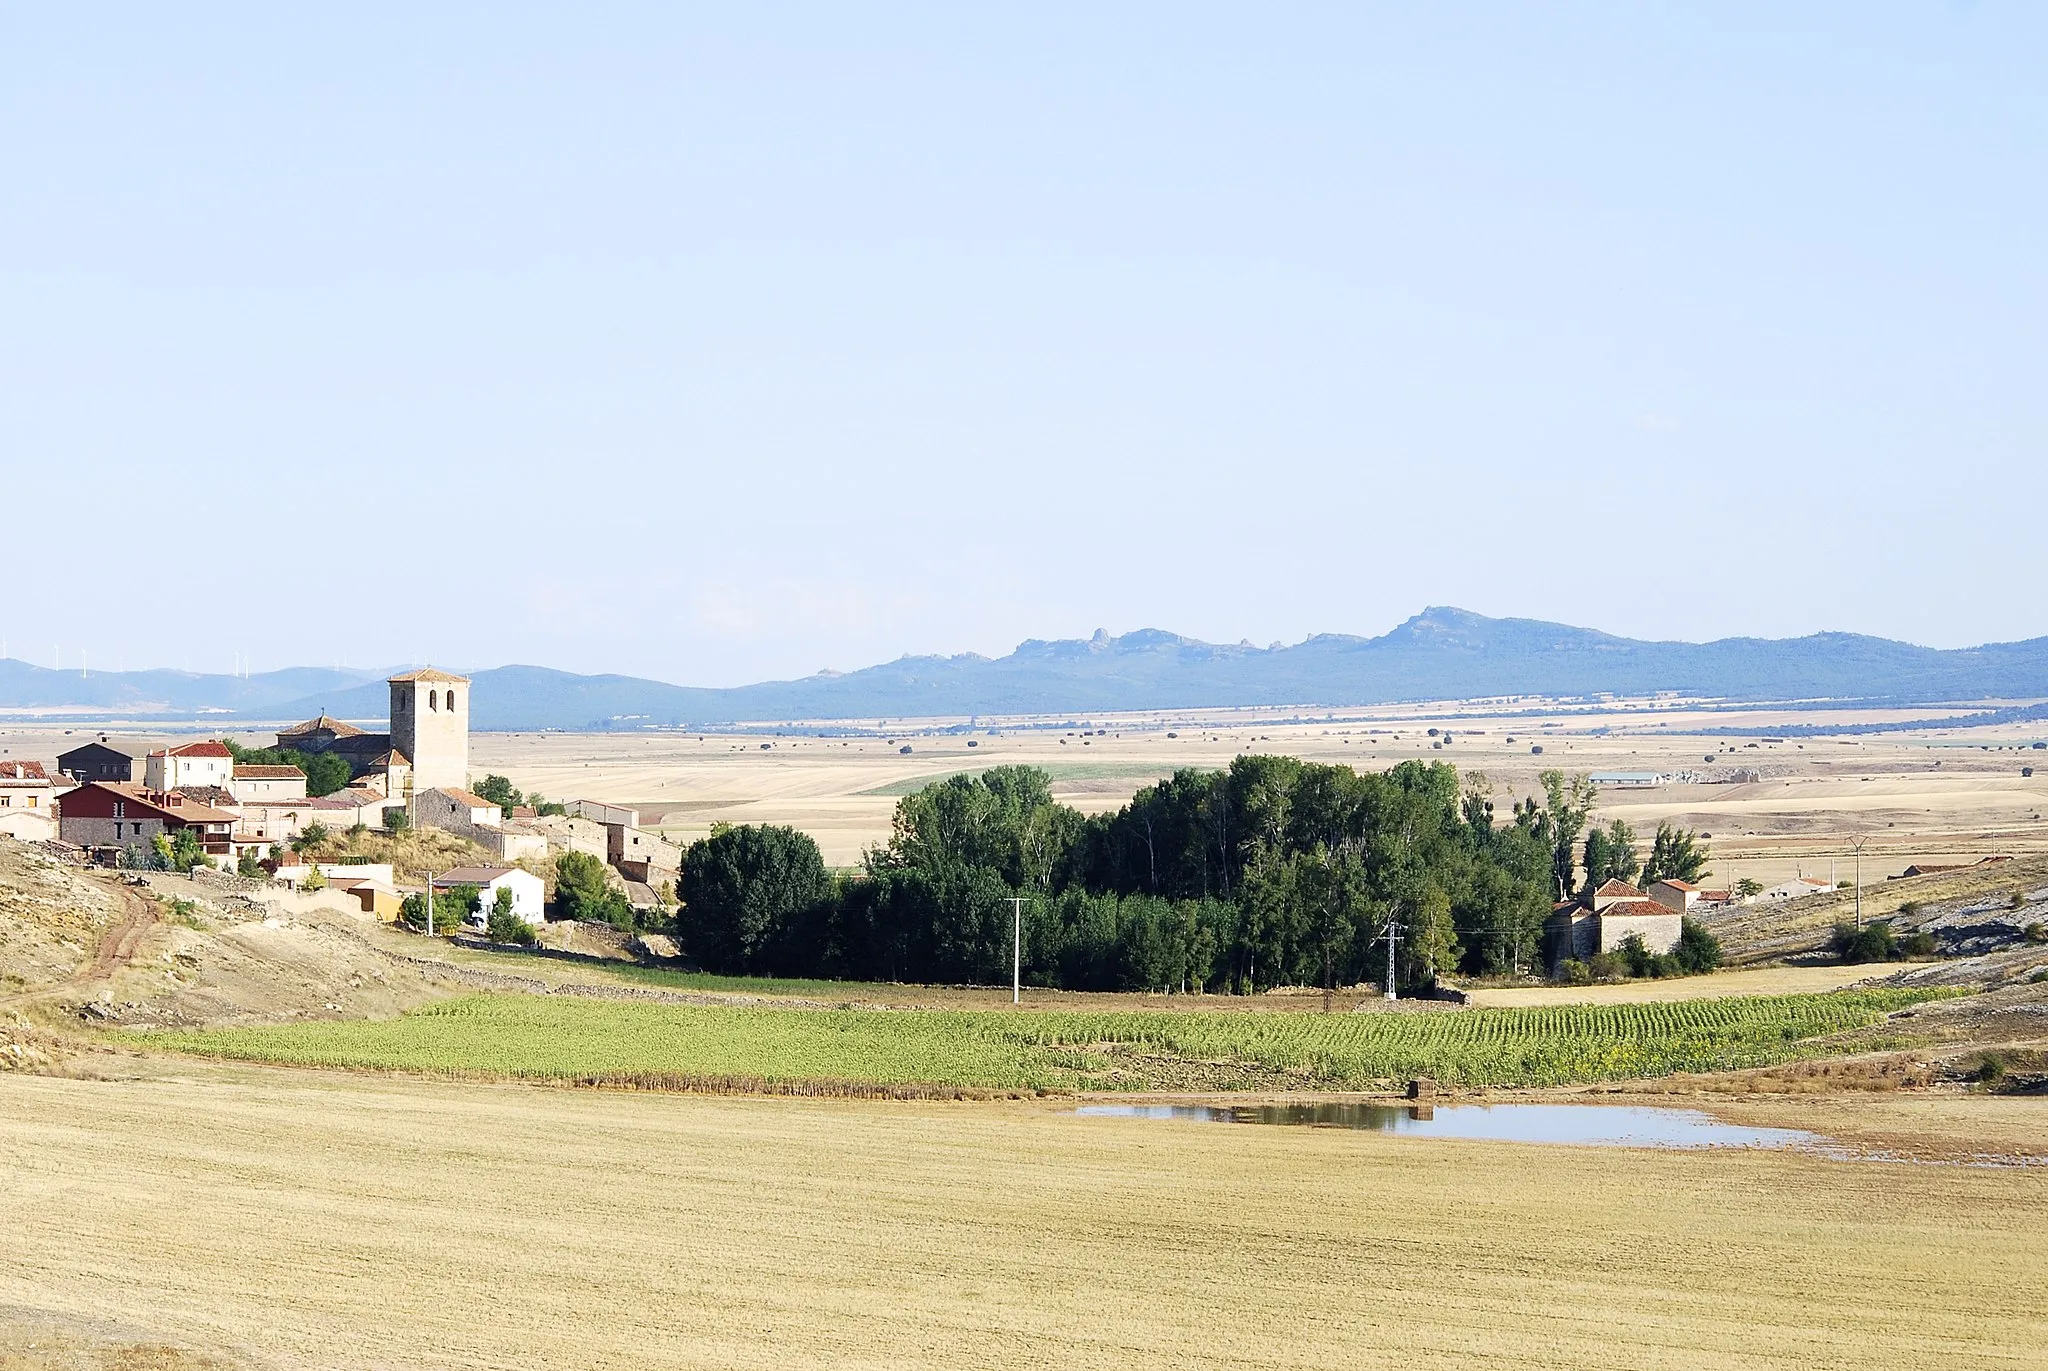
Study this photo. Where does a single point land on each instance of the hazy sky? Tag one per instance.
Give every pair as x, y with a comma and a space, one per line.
736, 343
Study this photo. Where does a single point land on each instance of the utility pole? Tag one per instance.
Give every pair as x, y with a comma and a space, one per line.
430, 904
1857, 845
1391, 936
1017, 952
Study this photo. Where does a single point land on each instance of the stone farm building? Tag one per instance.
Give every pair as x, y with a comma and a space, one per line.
1601, 921
469, 815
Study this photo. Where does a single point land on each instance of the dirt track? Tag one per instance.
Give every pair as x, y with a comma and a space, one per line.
117, 947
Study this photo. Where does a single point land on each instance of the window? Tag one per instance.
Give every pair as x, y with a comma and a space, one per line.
6, 800
120, 809
32, 801
451, 699
431, 698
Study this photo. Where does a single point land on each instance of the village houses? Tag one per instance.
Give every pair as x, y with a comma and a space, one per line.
418, 767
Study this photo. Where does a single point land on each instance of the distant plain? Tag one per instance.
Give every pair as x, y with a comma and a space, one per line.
1926, 795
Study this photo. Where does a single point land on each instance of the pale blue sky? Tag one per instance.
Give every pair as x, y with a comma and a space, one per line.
726, 344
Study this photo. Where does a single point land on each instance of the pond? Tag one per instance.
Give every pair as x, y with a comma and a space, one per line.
1608, 1125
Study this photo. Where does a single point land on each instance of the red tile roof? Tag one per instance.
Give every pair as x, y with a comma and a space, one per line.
426, 674
268, 773
1618, 889
467, 797
1675, 883
334, 726
23, 771
172, 803
207, 749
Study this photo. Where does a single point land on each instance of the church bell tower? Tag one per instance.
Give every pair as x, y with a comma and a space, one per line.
430, 725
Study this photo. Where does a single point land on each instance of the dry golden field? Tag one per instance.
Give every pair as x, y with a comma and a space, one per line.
295, 1219
1923, 796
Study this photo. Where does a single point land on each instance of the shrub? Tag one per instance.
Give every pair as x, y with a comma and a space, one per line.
1990, 1068
1607, 966
1919, 944
1576, 972
2036, 933
1871, 943
396, 821
1698, 951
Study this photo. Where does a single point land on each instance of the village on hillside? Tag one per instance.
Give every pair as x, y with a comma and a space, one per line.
307, 814
203, 806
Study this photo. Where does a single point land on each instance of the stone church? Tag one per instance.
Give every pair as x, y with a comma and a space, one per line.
426, 748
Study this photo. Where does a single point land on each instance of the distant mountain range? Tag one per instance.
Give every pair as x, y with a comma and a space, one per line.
1439, 654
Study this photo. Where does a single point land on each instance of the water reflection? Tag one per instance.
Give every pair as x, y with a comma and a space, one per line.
1611, 1125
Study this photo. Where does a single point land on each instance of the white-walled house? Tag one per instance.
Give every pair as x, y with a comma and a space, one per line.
28, 801
251, 783
189, 766
529, 892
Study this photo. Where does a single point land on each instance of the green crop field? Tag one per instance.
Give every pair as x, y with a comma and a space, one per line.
600, 1041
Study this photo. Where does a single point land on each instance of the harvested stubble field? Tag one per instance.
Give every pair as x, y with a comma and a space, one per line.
300, 1219
679, 1046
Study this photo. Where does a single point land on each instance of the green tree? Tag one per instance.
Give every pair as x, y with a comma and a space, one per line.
451, 906
498, 790
1567, 802
1431, 945
1748, 887
501, 925
325, 773
744, 889
179, 849
1610, 855
1675, 855
310, 837
583, 891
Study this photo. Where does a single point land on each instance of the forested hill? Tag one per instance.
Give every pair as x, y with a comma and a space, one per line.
1438, 654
